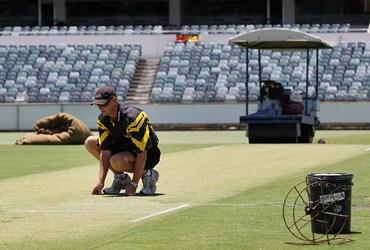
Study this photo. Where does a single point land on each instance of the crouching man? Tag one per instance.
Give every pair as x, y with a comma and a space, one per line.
127, 143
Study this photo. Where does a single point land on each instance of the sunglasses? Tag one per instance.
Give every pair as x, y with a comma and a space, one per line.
105, 104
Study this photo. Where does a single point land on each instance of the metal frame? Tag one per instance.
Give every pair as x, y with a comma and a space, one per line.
260, 78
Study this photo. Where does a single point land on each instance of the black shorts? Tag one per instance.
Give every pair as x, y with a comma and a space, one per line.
153, 157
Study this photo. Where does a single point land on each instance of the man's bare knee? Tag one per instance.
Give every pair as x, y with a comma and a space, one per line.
91, 145
122, 162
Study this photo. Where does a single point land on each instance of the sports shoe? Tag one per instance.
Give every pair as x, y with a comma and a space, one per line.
120, 181
149, 182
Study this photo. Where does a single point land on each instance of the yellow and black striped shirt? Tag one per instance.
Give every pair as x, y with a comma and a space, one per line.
132, 131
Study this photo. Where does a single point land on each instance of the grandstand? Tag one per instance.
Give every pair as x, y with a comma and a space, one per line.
49, 54
188, 72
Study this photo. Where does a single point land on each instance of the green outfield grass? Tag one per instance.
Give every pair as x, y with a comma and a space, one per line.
215, 192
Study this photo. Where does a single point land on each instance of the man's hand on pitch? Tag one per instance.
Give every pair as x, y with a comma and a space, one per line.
131, 189
98, 189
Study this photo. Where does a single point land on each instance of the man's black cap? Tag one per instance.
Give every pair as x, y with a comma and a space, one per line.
103, 95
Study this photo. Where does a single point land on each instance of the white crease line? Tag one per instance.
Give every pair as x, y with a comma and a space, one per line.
212, 148
228, 204
100, 244
160, 212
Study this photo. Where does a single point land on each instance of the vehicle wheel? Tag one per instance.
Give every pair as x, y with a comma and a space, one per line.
307, 134
252, 140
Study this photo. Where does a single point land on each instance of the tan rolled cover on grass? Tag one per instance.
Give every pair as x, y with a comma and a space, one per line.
60, 128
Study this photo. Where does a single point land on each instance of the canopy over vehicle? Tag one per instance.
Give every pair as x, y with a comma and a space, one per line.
279, 118
279, 38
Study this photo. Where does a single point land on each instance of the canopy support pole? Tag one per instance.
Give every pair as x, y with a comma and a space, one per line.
247, 83
307, 80
259, 74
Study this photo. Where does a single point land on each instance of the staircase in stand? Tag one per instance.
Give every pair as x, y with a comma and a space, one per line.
141, 87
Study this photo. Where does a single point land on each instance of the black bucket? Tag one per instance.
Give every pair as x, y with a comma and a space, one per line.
331, 194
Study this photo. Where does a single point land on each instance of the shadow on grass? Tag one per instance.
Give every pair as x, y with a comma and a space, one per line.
137, 194
335, 241
355, 232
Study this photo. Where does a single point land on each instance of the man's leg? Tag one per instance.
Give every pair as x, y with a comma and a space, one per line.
119, 164
149, 179
151, 176
120, 178
122, 162
125, 161
92, 146
120, 181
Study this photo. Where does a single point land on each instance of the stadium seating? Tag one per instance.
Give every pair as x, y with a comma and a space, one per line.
240, 28
197, 72
159, 29
65, 73
188, 72
82, 30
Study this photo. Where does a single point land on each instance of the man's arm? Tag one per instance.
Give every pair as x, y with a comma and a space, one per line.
138, 172
103, 170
